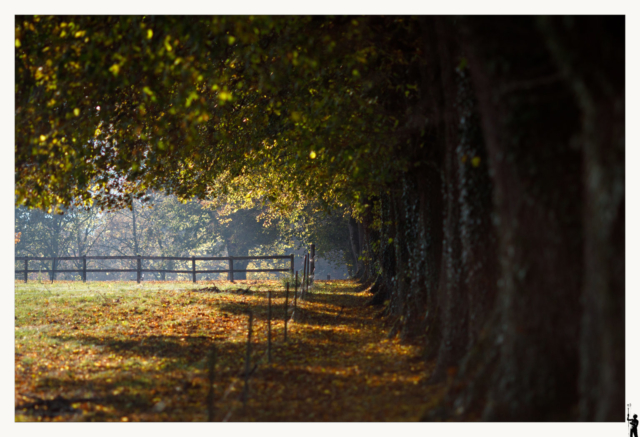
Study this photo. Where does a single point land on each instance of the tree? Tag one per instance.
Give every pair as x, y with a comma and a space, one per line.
74, 232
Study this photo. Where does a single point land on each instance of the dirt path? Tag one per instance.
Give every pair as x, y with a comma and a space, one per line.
141, 354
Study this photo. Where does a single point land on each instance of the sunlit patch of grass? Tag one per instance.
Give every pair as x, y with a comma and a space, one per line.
122, 349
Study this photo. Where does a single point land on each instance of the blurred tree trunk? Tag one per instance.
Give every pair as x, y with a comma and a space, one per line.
386, 252
590, 54
477, 232
136, 247
354, 238
234, 250
529, 119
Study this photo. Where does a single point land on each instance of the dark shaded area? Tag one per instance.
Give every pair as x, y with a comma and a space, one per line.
519, 291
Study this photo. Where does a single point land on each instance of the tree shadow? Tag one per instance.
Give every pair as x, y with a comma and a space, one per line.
189, 348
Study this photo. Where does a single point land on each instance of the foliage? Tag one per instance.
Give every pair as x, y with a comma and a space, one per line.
164, 226
74, 233
190, 104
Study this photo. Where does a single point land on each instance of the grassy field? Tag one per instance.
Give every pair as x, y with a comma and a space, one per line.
121, 351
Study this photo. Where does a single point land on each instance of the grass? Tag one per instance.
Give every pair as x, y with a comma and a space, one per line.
121, 351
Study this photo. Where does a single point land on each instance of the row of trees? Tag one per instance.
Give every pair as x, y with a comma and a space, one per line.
480, 160
164, 226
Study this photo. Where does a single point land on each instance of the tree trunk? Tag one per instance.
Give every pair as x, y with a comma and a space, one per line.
354, 239
136, 248
529, 117
453, 295
590, 53
238, 264
401, 280
477, 232
431, 212
415, 242
386, 252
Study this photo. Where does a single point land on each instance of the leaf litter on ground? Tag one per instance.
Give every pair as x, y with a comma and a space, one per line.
123, 351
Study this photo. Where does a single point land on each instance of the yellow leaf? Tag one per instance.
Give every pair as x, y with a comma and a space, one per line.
76, 112
149, 34
475, 161
312, 155
17, 42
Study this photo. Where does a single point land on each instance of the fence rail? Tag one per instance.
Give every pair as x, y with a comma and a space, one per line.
139, 270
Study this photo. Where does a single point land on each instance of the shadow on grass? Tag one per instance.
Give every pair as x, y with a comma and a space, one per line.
188, 348
61, 406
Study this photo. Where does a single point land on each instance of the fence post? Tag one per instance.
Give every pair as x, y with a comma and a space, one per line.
308, 271
247, 364
53, 270
212, 373
84, 268
139, 269
295, 297
26, 270
231, 268
286, 311
312, 263
193, 267
292, 265
269, 330
304, 275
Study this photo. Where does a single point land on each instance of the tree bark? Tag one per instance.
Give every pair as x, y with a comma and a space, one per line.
590, 53
529, 118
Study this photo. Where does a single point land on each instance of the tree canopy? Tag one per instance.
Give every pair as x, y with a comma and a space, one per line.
110, 107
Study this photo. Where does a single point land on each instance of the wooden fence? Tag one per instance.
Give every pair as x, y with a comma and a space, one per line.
139, 270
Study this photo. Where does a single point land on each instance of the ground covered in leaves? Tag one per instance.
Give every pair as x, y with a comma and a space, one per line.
121, 351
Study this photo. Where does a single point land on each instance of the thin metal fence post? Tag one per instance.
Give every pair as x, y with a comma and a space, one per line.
286, 312
269, 330
247, 364
84, 268
312, 263
295, 297
212, 374
193, 267
26, 270
304, 273
231, 268
53, 270
139, 269
308, 271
